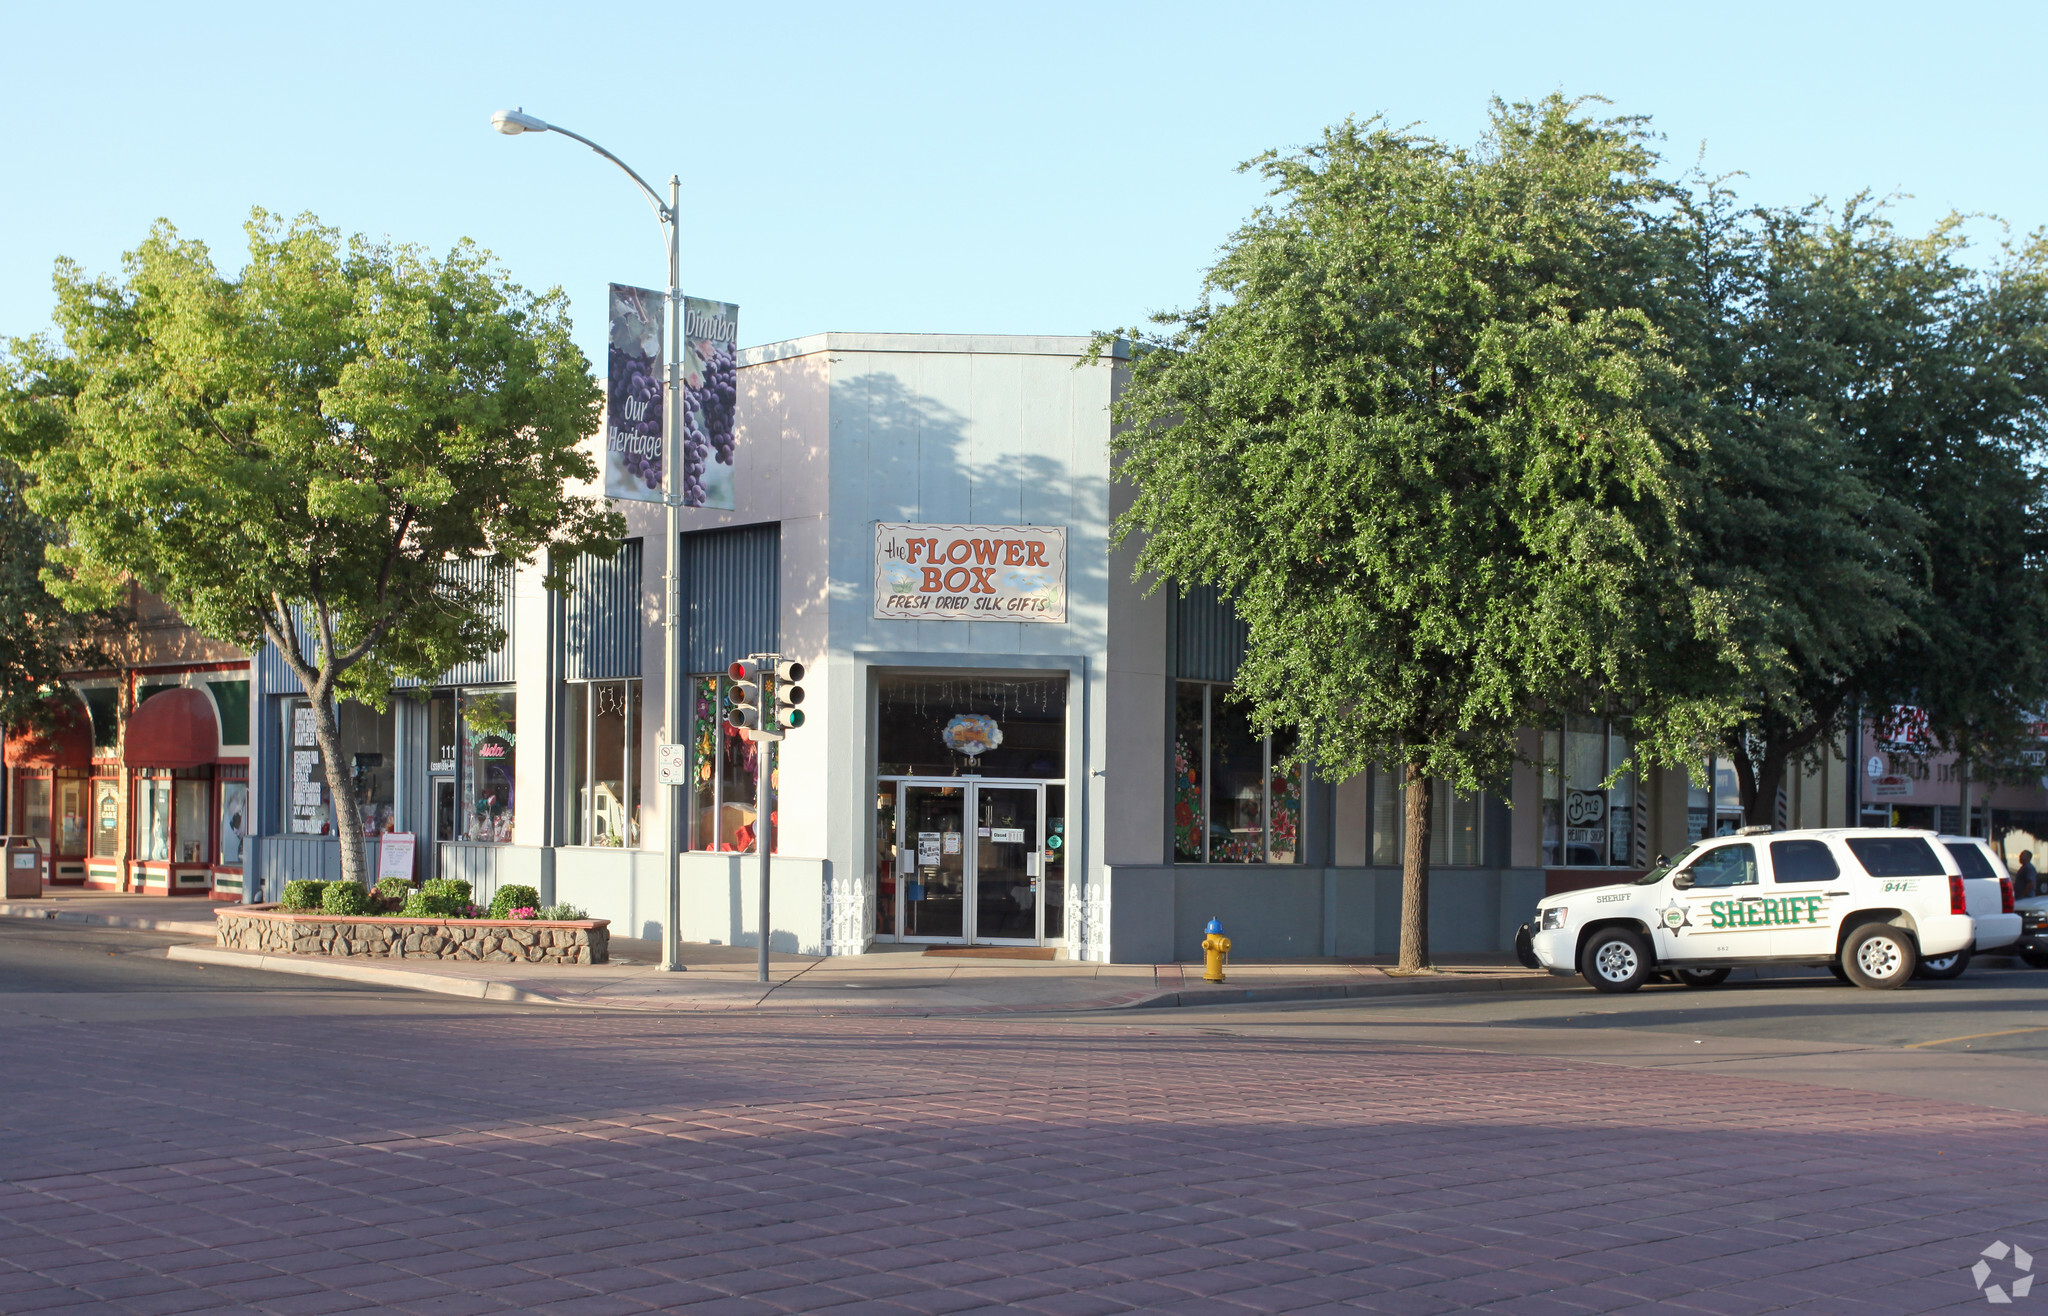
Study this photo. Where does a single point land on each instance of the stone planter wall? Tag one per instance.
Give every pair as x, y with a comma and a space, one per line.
276, 931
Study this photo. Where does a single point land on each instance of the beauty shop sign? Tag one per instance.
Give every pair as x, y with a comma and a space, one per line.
970, 572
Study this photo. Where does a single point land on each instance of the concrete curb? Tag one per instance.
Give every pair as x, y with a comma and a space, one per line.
1431, 986
183, 927
475, 989
487, 989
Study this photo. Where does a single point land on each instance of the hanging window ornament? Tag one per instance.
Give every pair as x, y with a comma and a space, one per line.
972, 734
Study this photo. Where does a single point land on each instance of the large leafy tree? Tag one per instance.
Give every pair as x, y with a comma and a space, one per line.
1867, 511
310, 443
1421, 430
39, 639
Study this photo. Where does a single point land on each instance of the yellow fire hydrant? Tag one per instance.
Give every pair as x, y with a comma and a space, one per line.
1215, 947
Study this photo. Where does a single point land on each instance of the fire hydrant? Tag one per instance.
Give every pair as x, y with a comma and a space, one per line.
1214, 947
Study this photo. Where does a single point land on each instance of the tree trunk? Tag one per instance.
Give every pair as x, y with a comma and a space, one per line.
341, 788
1763, 810
1415, 870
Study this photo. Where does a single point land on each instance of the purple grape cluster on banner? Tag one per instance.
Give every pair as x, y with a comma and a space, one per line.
710, 400
633, 395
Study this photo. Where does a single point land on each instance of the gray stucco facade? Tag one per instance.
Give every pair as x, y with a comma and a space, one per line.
836, 433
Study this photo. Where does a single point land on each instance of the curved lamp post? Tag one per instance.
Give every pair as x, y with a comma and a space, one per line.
512, 123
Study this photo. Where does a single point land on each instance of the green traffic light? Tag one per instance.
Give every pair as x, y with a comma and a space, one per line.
793, 718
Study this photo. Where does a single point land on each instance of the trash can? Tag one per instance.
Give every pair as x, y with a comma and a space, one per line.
21, 862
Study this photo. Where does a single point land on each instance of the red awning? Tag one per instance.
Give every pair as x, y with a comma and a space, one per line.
172, 729
69, 745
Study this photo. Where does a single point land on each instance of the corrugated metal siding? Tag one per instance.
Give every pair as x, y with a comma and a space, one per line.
601, 640
1208, 639
732, 594
492, 669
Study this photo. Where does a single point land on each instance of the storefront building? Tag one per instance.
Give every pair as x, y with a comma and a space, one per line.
1008, 741
143, 784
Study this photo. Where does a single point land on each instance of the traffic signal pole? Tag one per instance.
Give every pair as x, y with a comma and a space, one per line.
764, 834
766, 699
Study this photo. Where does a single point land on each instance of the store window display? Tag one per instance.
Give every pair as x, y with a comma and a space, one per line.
488, 758
368, 747
1236, 798
602, 761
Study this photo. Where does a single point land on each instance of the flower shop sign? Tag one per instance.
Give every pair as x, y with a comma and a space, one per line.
970, 572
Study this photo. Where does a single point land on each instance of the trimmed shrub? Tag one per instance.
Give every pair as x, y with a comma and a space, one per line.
345, 898
509, 898
394, 888
562, 912
304, 893
442, 897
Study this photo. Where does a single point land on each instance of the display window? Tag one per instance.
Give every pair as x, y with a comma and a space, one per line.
1236, 797
1589, 806
967, 724
1456, 822
723, 767
602, 763
487, 737
368, 746
35, 810
152, 819
106, 818
234, 822
1716, 808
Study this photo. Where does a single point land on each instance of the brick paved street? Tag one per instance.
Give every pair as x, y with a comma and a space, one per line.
451, 1158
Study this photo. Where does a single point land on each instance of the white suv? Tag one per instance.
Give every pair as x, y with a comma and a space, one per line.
1989, 893
1868, 901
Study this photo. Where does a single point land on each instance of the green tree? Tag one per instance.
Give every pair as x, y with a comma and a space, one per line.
1421, 430
1866, 513
39, 639
312, 441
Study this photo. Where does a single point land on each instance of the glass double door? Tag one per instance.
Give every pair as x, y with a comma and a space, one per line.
971, 862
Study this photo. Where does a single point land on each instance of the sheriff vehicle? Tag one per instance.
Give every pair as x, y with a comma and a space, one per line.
1866, 902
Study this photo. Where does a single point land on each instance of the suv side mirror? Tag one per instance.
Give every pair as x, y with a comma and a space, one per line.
1682, 882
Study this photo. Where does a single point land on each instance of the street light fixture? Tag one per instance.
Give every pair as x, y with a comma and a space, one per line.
512, 123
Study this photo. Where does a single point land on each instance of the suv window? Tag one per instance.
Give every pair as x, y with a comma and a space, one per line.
1971, 860
1726, 865
1895, 856
1803, 861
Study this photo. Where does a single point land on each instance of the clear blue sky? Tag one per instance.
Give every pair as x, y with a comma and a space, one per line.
1049, 168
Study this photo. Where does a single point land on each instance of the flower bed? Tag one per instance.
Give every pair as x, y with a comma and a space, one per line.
274, 930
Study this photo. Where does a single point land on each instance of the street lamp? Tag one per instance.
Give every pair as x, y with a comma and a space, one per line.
512, 123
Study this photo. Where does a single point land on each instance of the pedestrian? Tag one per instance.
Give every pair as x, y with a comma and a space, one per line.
2026, 879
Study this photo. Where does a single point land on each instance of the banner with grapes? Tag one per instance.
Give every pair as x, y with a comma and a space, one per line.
710, 395
632, 410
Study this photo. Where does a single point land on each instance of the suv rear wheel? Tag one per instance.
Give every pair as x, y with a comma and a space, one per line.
1950, 965
1879, 955
1615, 960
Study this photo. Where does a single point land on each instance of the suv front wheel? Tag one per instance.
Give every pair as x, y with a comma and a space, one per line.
1879, 955
1615, 960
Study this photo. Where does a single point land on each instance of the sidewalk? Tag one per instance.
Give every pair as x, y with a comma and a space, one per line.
720, 979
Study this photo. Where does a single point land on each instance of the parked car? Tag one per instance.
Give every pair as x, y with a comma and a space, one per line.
2032, 945
1871, 901
1988, 891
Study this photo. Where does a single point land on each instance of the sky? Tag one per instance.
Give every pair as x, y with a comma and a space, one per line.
1051, 168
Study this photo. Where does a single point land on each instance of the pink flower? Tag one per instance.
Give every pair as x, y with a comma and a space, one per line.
525, 911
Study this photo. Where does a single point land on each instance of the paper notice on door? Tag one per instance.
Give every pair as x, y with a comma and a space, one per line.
1031, 867
1008, 836
982, 832
952, 843
927, 847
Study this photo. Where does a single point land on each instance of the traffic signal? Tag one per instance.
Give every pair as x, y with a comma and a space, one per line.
744, 695
788, 695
